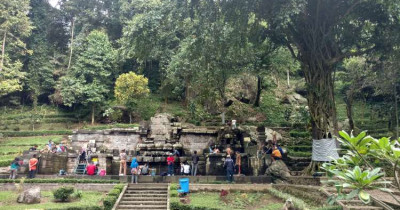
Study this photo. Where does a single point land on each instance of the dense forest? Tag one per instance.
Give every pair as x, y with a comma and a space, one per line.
258, 61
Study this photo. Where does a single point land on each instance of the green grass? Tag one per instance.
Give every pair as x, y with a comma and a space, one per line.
30, 141
235, 200
89, 198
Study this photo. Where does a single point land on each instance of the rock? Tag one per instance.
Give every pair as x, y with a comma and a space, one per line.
278, 169
269, 132
30, 196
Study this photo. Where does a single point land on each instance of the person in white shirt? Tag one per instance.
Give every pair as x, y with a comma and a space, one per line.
185, 169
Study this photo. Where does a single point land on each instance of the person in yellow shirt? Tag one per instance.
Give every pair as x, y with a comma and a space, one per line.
276, 154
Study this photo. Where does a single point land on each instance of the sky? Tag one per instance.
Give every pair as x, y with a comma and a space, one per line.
53, 2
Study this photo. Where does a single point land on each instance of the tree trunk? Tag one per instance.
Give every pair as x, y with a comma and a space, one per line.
288, 77
93, 114
130, 117
349, 109
321, 100
3, 50
259, 89
72, 43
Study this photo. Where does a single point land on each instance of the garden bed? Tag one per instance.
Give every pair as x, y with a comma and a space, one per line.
89, 200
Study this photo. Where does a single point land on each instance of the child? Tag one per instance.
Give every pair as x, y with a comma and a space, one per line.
14, 168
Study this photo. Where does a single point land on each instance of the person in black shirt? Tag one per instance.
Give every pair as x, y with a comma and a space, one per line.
195, 162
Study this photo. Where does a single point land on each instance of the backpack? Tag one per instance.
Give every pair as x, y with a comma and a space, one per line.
134, 171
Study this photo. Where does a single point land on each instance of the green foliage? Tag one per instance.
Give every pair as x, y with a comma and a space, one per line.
119, 187
63, 193
272, 109
114, 192
77, 194
299, 134
297, 202
109, 202
176, 205
349, 172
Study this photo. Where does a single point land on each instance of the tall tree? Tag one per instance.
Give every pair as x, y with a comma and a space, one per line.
14, 27
89, 80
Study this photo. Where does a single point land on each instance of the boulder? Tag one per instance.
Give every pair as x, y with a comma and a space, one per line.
278, 169
30, 196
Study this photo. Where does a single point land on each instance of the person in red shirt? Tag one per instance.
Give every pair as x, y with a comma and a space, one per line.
32, 167
170, 162
91, 169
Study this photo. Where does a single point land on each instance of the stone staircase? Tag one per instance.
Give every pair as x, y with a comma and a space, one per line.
144, 196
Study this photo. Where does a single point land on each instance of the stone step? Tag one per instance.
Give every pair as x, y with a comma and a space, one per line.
136, 198
146, 195
147, 190
142, 207
147, 203
150, 188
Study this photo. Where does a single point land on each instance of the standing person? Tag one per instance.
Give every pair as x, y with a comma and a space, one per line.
230, 166
195, 162
122, 163
238, 162
170, 162
91, 169
134, 170
14, 168
145, 169
185, 169
82, 157
32, 167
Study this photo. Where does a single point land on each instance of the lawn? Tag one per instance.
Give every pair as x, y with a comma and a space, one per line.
89, 198
235, 200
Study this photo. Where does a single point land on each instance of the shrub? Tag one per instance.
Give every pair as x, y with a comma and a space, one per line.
114, 192
119, 187
5, 163
77, 194
63, 193
178, 206
300, 134
109, 202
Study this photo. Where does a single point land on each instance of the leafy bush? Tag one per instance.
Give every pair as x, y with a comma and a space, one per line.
299, 154
299, 134
77, 194
4, 163
109, 202
178, 206
114, 192
119, 187
63, 193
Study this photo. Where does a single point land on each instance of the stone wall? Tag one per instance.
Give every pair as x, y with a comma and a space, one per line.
52, 163
108, 140
198, 142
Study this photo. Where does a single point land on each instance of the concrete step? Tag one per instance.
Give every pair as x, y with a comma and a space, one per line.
146, 191
142, 207
146, 195
144, 198
147, 203
147, 188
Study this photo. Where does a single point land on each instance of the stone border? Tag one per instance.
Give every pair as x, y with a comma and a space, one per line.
230, 187
168, 195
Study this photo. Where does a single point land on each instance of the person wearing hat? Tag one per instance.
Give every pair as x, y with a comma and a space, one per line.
170, 162
230, 166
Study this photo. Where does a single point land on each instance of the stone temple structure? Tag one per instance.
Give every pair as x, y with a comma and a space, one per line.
152, 143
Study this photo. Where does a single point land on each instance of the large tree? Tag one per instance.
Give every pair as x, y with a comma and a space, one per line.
89, 80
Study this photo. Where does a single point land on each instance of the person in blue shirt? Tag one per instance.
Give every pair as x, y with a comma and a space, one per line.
230, 167
14, 168
134, 170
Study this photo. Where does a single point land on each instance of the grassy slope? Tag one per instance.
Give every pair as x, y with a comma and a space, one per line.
89, 198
